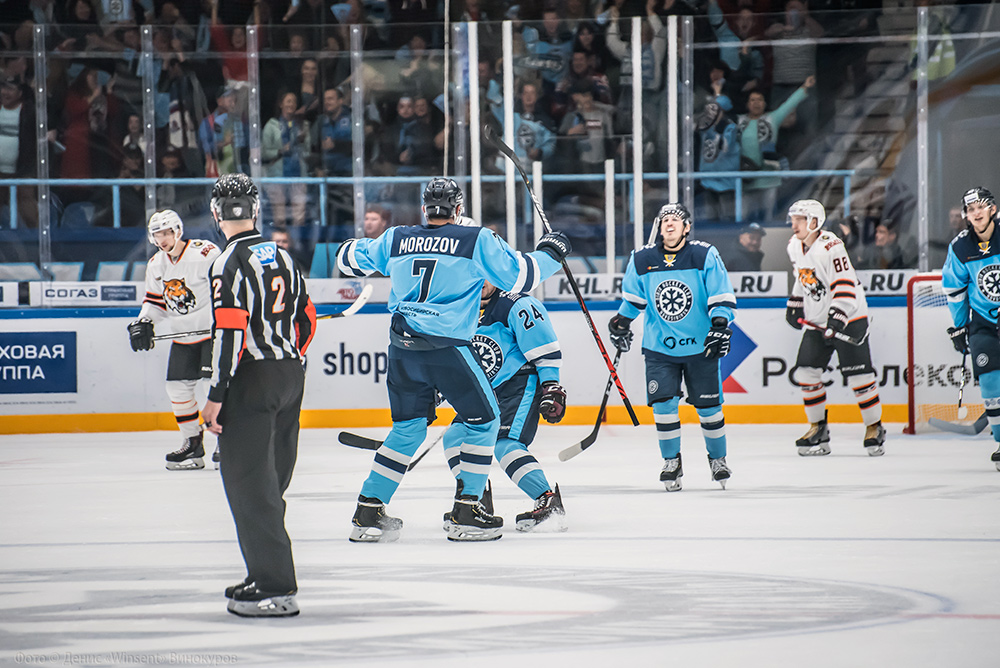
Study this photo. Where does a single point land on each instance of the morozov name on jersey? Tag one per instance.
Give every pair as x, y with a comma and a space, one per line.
408, 245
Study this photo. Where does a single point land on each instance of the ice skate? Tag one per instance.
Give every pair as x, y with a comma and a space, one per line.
246, 601
548, 514
671, 474
816, 441
995, 458
372, 525
720, 471
486, 501
189, 456
470, 521
874, 439
216, 457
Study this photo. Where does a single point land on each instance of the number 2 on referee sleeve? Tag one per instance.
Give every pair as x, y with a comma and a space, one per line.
278, 285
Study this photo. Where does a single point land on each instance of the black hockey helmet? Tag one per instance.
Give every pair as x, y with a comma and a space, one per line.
977, 194
442, 198
234, 197
671, 209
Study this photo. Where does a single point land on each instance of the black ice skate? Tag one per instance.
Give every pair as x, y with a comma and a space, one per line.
189, 456
548, 512
246, 601
671, 474
874, 439
372, 525
995, 458
816, 441
215, 457
471, 522
486, 501
720, 471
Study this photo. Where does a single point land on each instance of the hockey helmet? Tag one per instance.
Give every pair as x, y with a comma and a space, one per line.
164, 220
672, 209
234, 197
442, 198
977, 194
811, 209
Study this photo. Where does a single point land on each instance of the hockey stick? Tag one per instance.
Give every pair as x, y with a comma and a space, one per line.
498, 143
362, 299
832, 334
356, 441
574, 450
958, 428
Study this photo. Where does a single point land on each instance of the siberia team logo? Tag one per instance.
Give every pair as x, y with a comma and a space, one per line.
813, 286
988, 282
178, 295
490, 354
673, 300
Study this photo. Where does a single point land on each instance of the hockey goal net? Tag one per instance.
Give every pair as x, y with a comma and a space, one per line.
934, 369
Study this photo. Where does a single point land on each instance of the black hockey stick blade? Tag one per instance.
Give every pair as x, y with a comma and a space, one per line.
976, 427
832, 334
573, 450
490, 136
355, 441
362, 299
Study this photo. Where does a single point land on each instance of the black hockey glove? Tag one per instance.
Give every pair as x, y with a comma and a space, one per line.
621, 335
836, 323
556, 244
717, 341
960, 338
140, 334
553, 404
794, 311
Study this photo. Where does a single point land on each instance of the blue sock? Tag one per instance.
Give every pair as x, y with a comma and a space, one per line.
521, 467
713, 427
393, 457
668, 426
477, 443
989, 386
453, 447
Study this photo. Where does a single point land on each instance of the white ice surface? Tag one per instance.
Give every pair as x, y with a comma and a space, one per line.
107, 558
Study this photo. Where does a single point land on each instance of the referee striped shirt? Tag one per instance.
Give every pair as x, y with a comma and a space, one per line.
260, 308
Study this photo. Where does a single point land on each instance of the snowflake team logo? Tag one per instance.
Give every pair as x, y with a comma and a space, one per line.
653, 387
982, 359
988, 282
490, 354
673, 300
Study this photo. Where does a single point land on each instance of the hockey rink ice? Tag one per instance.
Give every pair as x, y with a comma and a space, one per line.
107, 558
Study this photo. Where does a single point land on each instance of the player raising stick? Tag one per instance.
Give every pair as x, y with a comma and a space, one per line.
686, 331
437, 272
826, 294
177, 293
970, 280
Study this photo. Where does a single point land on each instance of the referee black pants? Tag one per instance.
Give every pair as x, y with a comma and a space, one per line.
259, 443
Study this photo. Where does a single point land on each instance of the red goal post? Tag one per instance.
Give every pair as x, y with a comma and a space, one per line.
933, 368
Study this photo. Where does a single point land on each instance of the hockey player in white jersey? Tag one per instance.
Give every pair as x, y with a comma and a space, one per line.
829, 302
178, 297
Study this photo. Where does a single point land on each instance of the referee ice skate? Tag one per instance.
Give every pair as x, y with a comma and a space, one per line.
263, 322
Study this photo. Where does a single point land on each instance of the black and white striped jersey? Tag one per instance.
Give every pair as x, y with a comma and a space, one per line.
260, 308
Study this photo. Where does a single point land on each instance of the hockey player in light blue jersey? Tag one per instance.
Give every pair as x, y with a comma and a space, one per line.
520, 354
684, 290
971, 282
437, 272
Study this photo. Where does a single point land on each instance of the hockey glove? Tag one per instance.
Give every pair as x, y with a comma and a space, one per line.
556, 244
140, 334
553, 404
836, 323
717, 341
621, 335
793, 311
959, 338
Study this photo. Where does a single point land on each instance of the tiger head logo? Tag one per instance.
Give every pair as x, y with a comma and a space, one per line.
813, 286
178, 295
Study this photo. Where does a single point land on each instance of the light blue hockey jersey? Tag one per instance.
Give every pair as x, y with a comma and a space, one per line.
437, 273
971, 277
515, 330
685, 289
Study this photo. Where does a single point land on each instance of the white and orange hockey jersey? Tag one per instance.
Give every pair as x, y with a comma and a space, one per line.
824, 278
178, 292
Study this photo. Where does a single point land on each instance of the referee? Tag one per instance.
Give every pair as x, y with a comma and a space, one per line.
263, 322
